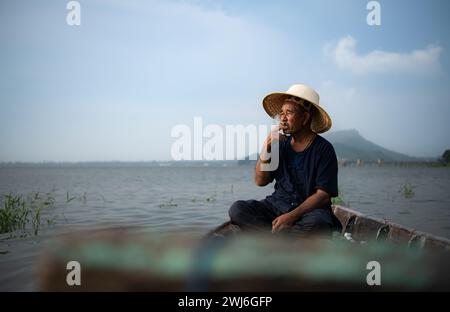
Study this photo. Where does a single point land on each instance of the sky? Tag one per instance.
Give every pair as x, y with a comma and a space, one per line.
114, 87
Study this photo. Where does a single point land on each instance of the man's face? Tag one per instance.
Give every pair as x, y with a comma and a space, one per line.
292, 118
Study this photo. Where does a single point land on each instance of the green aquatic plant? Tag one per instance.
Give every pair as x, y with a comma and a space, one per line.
169, 203
408, 190
337, 201
26, 214
69, 198
211, 199
23, 213
14, 213
84, 198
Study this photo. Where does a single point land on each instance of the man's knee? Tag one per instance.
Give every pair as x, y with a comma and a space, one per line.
236, 211
314, 222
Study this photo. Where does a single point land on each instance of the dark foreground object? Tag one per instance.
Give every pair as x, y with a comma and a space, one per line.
226, 260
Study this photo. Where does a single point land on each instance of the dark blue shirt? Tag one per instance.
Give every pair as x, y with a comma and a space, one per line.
299, 174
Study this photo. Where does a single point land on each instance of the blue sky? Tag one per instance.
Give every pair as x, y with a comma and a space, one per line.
114, 87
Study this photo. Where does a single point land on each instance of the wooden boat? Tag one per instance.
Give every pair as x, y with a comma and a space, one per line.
357, 227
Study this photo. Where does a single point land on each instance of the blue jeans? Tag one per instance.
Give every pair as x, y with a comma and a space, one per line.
258, 215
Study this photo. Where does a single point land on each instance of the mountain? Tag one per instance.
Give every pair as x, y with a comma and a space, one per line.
350, 145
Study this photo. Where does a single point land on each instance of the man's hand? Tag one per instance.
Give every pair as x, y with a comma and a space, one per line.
318, 199
274, 134
267, 146
282, 222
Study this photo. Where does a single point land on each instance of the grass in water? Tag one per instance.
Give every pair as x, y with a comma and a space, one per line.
337, 201
169, 203
211, 199
69, 198
18, 213
408, 190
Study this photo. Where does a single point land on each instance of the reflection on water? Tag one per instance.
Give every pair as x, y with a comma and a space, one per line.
196, 199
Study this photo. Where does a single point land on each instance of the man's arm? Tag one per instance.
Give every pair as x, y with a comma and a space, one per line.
317, 200
262, 178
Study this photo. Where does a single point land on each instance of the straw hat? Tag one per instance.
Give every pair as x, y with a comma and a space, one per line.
321, 121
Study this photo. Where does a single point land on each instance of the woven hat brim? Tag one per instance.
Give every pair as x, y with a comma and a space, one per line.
321, 121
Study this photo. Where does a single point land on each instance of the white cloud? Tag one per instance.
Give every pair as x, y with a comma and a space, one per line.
379, 116
422, 61
342, 103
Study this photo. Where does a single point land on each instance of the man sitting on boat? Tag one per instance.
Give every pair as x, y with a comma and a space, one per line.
306, 172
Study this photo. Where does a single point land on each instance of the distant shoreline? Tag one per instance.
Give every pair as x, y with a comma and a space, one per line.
193, 163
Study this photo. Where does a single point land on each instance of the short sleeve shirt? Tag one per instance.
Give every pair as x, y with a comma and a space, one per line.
300, 174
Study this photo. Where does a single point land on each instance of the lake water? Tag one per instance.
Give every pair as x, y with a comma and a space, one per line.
196, 199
